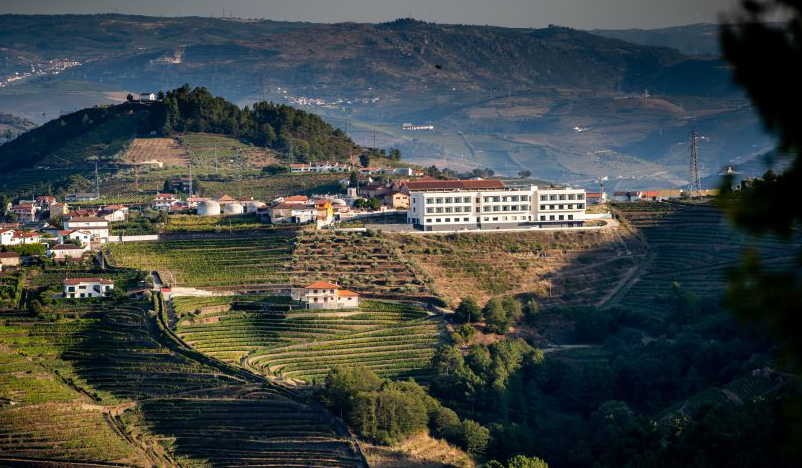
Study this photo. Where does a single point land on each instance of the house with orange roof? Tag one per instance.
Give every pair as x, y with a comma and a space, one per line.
325, 295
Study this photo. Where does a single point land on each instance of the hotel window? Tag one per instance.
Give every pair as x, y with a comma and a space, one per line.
448, 220
486, 208
429, 209
465, 220
487, 199
543, 198
495, 218
449, 200
430, 200
551, 218
571, 217
580, 196
449, 209
542, 217
487, 219
439, 220
467, 200
562, 197
562, 207
580, 206
439, 209
571, 196
552, 197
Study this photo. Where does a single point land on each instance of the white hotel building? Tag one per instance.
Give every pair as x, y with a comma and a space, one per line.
452, 205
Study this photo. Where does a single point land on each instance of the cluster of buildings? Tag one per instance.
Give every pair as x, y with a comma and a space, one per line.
447, 205
327, 167
657, 195
224, 205
300, 209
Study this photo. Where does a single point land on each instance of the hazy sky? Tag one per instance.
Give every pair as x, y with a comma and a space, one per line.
584, 14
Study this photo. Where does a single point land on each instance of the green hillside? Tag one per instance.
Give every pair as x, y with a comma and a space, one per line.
103, 132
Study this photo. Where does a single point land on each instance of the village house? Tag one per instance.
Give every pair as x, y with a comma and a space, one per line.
58, 210
9, 259
19, 237
193, 202
83, 237
25, 211
44, 202
113, 213
164, 201
397, 200
298, 213
596, 198
75, 288
324, 212
64, 252
325, 295
99, 227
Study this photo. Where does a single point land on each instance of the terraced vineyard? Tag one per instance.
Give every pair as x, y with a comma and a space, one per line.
222, 262
576, 267
265, 334
111, 387
368, 264
362, 262
692, 245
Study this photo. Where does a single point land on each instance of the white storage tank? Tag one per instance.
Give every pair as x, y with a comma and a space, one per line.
232, 209
209, 208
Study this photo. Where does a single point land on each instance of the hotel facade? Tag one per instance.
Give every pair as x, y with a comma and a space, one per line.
454, 205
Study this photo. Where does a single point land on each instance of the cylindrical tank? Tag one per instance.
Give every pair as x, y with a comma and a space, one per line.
209, 208
232, 209
253, 206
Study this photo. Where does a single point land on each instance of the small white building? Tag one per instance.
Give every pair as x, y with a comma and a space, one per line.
164, 201
82, 236
81, 288
148, 97
325, 295
99, 227
19, 237
66, 252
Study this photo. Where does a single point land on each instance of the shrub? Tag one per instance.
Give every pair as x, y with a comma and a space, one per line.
521, 461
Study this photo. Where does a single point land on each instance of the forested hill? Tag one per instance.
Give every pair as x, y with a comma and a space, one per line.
101, 132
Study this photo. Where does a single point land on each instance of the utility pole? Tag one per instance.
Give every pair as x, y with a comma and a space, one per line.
696, 184
190, 176
97, 181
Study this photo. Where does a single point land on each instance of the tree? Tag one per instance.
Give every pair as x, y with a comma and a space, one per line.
496, 316
344, 383
766, 59
524, 174
475, 437
388, 416
395, 154
364, 160
531, 310
353, 180
129, 97
468, 311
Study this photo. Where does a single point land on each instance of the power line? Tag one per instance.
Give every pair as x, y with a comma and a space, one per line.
696, 184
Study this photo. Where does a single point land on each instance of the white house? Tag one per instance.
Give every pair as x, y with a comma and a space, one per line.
445, 205
114, 213
18, 237
66, 252
99, 227
325, 295
164, 201
81, 235
75, 288
148, 97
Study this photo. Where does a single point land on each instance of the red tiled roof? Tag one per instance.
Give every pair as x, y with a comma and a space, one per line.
322, 285
490, 184
73, 281
346, 293
296, 198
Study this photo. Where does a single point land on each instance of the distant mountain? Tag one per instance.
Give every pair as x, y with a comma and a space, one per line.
567, 105
138, 52
694, 39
